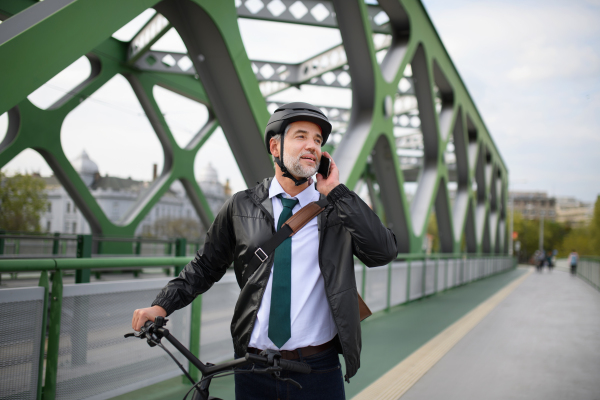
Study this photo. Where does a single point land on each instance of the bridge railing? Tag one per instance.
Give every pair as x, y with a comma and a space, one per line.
27, 245
84, 355
43, 245
589, 270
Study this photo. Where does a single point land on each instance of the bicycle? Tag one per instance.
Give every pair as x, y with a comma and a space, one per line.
155, 331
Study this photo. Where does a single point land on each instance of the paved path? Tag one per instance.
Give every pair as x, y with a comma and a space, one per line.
541, 342
388, 337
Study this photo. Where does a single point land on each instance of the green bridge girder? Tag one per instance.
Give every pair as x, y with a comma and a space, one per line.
40, 39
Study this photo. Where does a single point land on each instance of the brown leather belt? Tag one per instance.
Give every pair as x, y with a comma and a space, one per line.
295, 354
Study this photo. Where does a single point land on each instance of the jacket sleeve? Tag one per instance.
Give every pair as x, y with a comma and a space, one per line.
372, 242
205, 269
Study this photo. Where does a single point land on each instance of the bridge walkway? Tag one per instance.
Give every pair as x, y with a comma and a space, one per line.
517, 334
541, 342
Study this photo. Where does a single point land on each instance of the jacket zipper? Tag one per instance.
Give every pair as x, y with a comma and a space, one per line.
262, 288
321, 233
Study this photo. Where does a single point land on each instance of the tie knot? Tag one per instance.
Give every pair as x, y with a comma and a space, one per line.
288, 203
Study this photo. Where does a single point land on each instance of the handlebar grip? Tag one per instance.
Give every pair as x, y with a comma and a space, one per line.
148, 323
295, 366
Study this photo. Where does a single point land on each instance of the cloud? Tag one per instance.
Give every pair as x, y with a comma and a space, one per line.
525, 41
532, 68
542, 63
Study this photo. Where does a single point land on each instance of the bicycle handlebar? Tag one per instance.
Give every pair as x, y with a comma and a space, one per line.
294, 366
154, 332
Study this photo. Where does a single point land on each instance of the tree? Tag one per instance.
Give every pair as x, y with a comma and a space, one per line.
595, 229
178, 228
22, 200
529, 235
433, 234
579, 240
585, 240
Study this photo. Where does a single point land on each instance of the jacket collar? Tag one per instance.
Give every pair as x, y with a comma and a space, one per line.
260, 194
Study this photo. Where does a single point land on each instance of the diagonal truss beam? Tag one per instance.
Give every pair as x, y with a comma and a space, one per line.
307, 12
328, 68
34, 29
377, 140
150, 33
227, 89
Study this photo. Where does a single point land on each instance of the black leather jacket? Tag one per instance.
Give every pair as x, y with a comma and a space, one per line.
347, 227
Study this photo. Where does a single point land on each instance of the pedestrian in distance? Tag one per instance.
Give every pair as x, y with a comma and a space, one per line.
549, 261
572, 261
540, 259
301, 299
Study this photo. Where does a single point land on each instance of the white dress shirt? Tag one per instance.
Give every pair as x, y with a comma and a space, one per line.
311, 319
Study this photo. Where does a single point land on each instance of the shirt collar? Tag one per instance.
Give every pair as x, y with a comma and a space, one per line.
305, 197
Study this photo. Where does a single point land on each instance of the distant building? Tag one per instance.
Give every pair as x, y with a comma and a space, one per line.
573, 212
567, 210
532, 204
116, 196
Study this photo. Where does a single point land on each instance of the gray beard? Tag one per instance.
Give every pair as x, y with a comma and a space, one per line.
293, 165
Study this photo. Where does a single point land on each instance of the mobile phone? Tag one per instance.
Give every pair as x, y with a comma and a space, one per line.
324, 166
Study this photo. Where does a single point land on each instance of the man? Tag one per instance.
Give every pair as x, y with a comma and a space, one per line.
541, 259
302, 299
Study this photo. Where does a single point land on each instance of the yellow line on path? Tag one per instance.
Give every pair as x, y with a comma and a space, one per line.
399, 379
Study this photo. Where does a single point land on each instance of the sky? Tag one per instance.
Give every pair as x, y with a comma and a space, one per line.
533, 70
531, 67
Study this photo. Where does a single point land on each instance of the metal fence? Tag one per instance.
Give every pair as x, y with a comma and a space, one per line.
84, 354
589, 270
22, 316
95, 361
34, 245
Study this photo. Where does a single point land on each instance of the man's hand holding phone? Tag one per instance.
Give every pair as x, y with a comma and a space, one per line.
326, 184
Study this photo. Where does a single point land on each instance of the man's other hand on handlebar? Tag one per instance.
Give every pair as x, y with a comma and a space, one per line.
141, 315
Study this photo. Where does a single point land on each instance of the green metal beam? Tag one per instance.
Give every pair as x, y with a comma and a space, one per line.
56, 298
84, 24
226, 84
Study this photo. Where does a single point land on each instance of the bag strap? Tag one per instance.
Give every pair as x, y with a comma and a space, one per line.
288, 229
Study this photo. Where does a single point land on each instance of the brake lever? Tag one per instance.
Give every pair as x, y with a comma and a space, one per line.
136, 334
158, 323
274, 371
268, 370
293, 382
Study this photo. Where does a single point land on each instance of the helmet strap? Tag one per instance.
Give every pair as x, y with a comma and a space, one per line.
286, 173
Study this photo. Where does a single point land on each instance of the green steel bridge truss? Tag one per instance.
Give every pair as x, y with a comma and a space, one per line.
40, 39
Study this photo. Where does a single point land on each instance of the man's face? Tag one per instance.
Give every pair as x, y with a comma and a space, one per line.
302, 149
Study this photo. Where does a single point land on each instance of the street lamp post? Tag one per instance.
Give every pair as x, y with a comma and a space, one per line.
542, 213
512, 217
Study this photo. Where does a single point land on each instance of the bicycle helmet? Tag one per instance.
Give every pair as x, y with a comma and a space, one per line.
285, 115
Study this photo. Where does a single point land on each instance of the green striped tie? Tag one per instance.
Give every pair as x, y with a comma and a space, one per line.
280, 325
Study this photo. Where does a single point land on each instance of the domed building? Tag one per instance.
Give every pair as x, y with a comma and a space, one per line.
86, 168
214, 191
116, 196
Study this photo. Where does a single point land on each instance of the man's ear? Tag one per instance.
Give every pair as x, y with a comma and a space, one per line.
274, 147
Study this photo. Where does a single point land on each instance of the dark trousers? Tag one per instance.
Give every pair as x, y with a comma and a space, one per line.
540, 265
573, 269
324, 383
